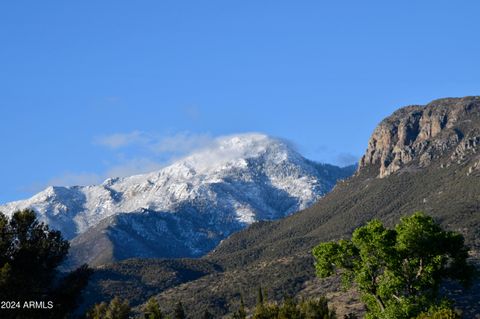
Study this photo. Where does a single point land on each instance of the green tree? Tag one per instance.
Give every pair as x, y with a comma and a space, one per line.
116, 309
439, 313
317, 308
289, 310
397, 271
264, 309
260, 298
267, 311
66, 294
98, 311
30, 254
152, 309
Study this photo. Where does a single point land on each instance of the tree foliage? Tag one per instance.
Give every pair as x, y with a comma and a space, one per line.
316, 308
290, 308
116, 309
30, 254
397, 271
152, 309
98, 311
443, 311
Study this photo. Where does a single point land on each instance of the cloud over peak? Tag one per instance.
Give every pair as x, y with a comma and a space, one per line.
180, 143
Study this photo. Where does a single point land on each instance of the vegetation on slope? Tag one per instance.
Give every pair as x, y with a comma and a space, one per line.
397, 271
275, 254
30, 284
431, 162
290, 308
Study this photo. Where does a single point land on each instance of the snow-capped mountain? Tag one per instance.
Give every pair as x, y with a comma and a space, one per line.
186, 208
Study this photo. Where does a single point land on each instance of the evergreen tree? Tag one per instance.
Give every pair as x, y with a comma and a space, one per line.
260, 298
264, 309
98, 311
66, 295
116, 309
30, 254
289, 310
317, 308
152, 309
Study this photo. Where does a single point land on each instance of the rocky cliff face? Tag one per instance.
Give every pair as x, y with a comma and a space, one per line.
415, 136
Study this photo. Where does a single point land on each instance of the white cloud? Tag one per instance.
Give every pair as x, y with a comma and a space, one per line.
180, 143
151, 151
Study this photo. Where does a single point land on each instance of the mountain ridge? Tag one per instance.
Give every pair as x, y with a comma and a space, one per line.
276, 254
186, 208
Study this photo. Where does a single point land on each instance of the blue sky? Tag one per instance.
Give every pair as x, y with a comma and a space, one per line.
87, 87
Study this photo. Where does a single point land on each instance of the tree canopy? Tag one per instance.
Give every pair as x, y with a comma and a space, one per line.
30, 254
290, 308
152, 309
397, 271
115, 309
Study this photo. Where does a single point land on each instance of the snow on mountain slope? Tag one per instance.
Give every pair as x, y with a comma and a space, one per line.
191, 204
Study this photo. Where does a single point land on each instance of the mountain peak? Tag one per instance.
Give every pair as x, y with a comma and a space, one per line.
236, 148
416, 135
191, 204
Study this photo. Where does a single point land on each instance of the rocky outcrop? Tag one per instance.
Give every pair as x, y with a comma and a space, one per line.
417, 135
